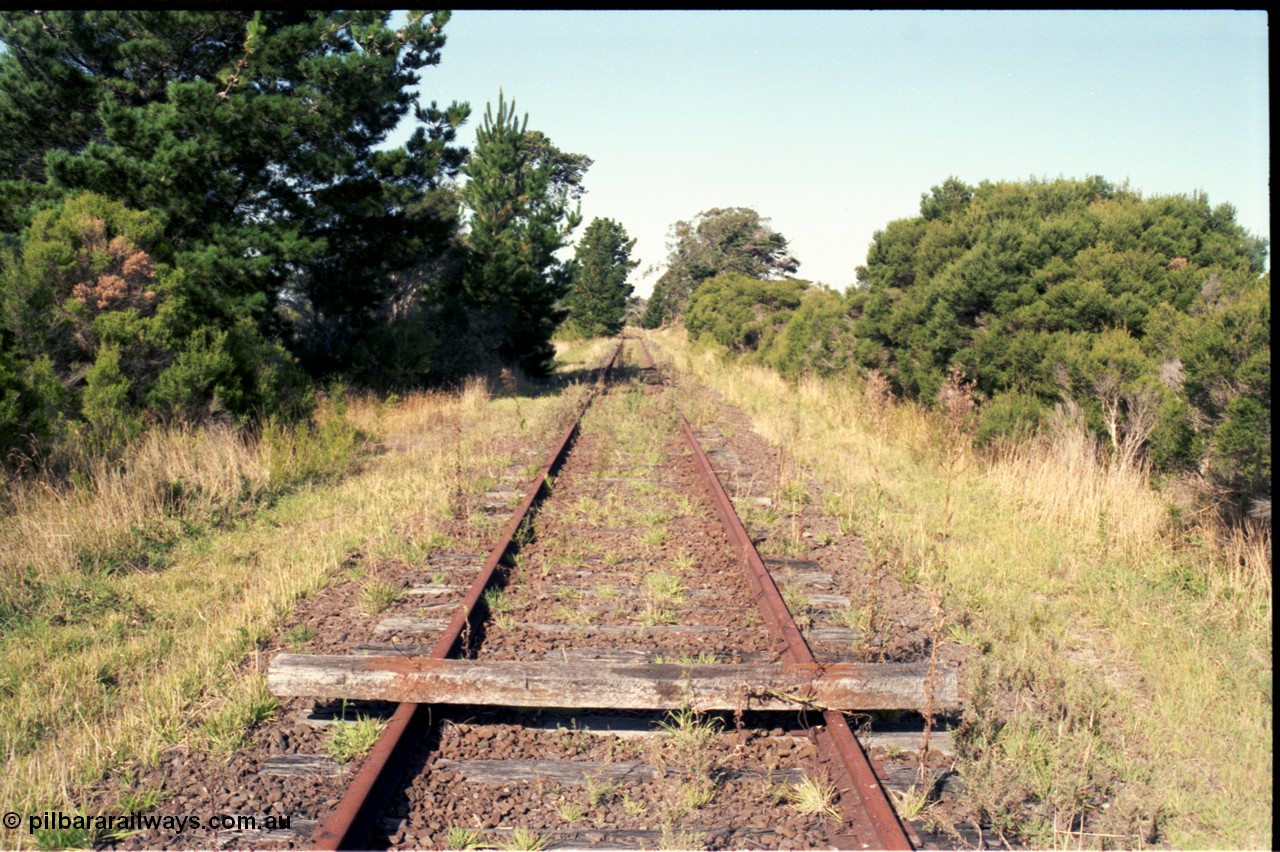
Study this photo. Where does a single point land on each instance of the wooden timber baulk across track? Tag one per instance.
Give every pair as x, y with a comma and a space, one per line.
782, 676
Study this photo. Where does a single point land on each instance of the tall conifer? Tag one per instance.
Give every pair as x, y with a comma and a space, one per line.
597, 300
520, 218
252, 136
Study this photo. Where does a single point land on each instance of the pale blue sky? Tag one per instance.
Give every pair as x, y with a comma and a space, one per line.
833, 123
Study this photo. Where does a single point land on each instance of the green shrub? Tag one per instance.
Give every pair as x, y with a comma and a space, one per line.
234, 371
1080, 288
1242, 451
816, 338
188, 389
305, 452
106, 403
742, 313
1011, 416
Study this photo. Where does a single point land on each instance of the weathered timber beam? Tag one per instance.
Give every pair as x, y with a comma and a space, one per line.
836, 686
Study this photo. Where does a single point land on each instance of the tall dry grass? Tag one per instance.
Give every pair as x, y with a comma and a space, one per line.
51, 525
1246, 555
1065, 479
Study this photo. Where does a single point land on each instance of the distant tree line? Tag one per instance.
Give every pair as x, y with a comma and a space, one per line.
201, 218
1149, 318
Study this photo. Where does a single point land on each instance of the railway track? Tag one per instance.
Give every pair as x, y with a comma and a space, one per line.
620, 670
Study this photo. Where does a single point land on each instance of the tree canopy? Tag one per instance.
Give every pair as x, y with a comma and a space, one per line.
187, 194
253, 138
1042, 290
731, 239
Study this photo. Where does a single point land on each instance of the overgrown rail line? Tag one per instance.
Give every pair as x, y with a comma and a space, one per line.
611, 591
870, 818
342, 829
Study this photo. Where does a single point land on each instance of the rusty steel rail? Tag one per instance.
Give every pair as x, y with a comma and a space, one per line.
349, 825
875, 824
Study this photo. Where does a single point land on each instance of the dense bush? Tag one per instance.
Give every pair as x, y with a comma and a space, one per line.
101, 339
1148, 316
1132, 308
790, 325
817, 338
189, 194
740, 312
201, 218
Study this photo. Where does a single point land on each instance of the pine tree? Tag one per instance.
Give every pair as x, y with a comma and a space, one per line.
597, 300
519, 219
656, 309
252, 137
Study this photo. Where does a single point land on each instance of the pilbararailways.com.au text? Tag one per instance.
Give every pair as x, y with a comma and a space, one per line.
107, 823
